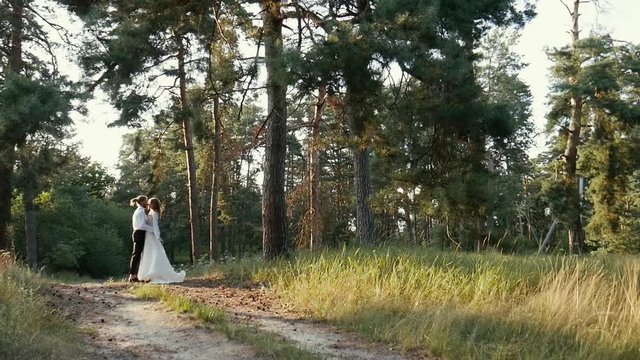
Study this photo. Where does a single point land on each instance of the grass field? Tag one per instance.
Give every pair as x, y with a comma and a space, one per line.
28, 329
466, 306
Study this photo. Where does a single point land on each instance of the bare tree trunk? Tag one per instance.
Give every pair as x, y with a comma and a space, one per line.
274, 222
192, 185
243, 231
411, 235
7, 150
409, 223
576, 240
315, 240
214, 246
428, 226
549, 238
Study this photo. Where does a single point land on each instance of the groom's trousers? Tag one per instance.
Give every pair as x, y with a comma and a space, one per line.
138, 245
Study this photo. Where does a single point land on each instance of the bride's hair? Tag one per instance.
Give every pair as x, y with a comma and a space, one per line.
154, 204
136, 200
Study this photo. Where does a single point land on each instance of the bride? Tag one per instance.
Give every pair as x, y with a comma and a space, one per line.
154, 265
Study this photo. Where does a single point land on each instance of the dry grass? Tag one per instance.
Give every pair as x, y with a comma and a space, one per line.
28, 329
467, 306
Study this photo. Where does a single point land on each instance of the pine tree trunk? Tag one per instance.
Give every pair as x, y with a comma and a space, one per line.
15, 54
409, 223
29, 187
576, 240
357, 112
479, 217
194, 208
30, 227
361, 179
427, 230
214, 246
274, 222
315, 240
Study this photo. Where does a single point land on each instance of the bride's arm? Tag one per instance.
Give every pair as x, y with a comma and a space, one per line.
156, 228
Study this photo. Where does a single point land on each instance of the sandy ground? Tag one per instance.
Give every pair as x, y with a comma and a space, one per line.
119, 326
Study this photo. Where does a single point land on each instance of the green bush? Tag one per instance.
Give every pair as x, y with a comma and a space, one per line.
104, 253
79, 233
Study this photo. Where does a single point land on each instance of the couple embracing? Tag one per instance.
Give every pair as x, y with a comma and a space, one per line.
149, 262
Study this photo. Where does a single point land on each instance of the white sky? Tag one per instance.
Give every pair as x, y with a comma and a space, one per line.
548, 29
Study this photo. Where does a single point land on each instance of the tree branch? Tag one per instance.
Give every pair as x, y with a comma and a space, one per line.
252, 77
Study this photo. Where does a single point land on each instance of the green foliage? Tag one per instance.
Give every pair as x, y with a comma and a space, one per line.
242, 222
35, 102
29, 106
91, 176
458, 154
105, 253
80, 233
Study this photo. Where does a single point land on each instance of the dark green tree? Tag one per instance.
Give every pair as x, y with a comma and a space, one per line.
610, 155
591, 72
34, 98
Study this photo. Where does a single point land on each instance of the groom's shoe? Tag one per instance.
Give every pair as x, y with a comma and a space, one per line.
133, 279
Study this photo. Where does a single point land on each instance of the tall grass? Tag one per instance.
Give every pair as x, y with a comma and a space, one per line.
28, 329
466, 306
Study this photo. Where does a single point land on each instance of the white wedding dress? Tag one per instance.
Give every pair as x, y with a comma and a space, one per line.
154, 264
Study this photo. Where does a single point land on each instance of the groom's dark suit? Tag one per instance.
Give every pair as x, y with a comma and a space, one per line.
138, 245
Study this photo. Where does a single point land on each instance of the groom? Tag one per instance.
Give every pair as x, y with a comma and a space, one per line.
140, 227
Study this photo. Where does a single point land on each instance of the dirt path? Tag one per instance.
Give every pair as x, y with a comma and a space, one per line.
118, 326
257, 306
